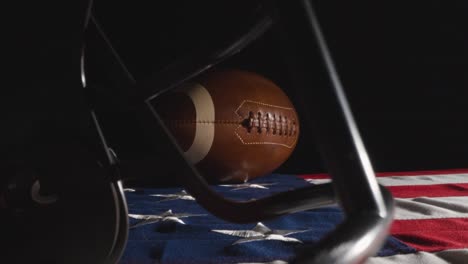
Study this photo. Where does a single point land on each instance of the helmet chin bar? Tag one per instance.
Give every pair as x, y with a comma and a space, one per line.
368, 207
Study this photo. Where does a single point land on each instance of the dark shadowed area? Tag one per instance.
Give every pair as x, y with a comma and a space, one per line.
403, 66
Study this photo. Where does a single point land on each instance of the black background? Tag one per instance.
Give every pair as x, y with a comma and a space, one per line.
403, 65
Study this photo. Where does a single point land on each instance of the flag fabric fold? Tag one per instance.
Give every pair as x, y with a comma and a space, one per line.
430, 226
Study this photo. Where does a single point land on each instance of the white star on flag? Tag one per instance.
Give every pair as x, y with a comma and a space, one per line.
261, 232
248, 185
183, 195
166, 216
318, 181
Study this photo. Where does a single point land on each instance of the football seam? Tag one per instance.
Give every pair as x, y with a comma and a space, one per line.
189, 121
260, 103
265, 142
295, 135
223, 122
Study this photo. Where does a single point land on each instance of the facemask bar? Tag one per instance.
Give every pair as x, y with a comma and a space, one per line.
241, 212
368, 207
111, 160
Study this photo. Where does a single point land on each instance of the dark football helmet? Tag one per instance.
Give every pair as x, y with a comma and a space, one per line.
368, 207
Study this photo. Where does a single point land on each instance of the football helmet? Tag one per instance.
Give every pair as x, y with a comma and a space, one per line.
368, 207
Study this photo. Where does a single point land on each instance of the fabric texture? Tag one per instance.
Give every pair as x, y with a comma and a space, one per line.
168, 226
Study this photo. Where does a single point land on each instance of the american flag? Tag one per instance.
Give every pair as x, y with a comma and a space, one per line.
168, 226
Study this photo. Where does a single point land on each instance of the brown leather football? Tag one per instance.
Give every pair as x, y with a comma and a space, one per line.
233, 125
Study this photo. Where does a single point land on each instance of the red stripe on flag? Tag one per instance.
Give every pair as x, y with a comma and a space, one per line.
432, 234
389, 174
416, 173
315, 176
437, 190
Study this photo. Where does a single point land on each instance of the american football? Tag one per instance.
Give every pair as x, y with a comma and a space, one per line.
233, 125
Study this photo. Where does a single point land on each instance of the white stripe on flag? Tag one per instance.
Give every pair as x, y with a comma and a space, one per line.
431, 208
413, 180
442, 257
423, 180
